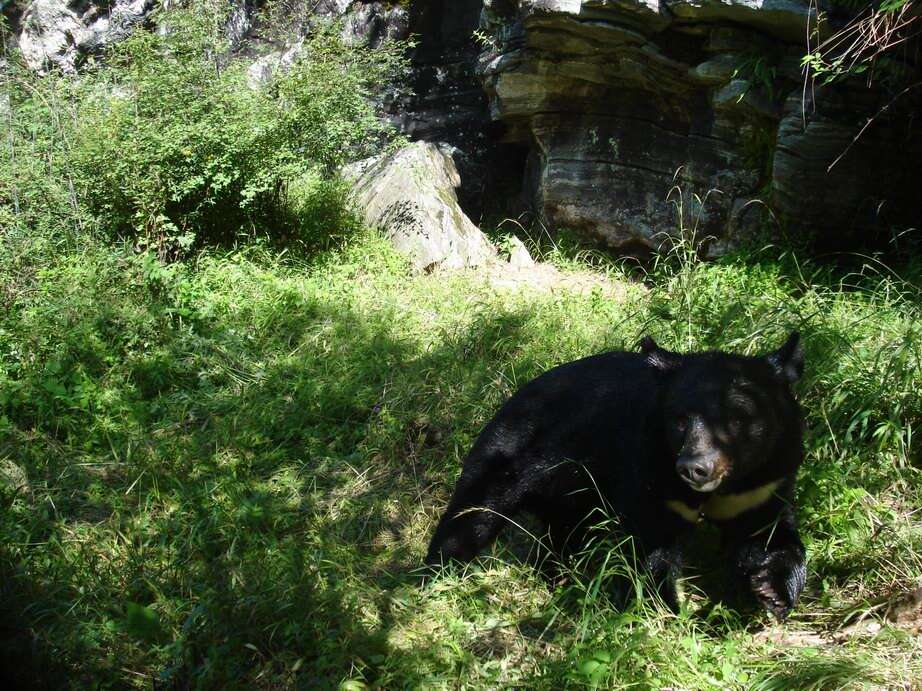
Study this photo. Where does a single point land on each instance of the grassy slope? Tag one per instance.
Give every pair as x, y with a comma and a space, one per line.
233, 468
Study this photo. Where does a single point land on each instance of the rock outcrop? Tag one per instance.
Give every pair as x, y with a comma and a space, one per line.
61, 33
635, 110
410, 196
624, 113
845, 164
365, 24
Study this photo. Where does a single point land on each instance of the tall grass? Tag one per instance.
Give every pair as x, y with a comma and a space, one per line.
233, 466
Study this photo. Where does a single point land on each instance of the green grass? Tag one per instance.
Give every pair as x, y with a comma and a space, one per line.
223, 471
233, 466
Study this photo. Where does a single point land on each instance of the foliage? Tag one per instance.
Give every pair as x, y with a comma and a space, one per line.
862, 46
37, 194
223, 471
168, 145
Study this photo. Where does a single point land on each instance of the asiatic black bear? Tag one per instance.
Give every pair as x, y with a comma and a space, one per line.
660, 439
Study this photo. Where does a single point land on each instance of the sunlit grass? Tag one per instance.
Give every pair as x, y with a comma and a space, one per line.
234, 466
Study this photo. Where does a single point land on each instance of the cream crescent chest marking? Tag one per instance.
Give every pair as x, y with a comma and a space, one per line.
722, 507
684, 510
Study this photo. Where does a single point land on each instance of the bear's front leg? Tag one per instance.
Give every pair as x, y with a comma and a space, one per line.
771, 561
665, 567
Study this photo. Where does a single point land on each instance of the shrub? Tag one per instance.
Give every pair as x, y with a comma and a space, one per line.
37, 195
167, 144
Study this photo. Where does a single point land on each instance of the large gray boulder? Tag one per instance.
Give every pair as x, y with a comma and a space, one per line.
410, 196
61, 33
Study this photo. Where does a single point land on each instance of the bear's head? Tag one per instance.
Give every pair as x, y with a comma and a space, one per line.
723, 416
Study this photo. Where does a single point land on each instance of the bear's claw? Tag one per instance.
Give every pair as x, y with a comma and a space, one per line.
778, 583
769, 597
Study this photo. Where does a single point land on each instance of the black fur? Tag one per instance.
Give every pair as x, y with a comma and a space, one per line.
615, 430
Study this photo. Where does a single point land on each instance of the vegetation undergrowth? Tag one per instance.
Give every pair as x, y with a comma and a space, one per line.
168, 144
222, 471
226, 470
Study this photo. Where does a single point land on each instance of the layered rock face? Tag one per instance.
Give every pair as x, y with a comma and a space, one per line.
636, 110
845, 165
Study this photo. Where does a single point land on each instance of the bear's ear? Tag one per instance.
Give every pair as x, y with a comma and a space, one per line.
647, 344
663, 360
788, 360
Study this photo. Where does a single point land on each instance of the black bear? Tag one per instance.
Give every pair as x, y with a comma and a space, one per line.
660, 439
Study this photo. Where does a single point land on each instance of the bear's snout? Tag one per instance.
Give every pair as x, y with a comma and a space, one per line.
701, 472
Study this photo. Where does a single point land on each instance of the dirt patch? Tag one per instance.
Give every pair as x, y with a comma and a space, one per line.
547, 278
905, 611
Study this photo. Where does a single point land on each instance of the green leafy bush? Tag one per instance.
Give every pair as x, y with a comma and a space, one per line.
181, 145
37, 194
168, 145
